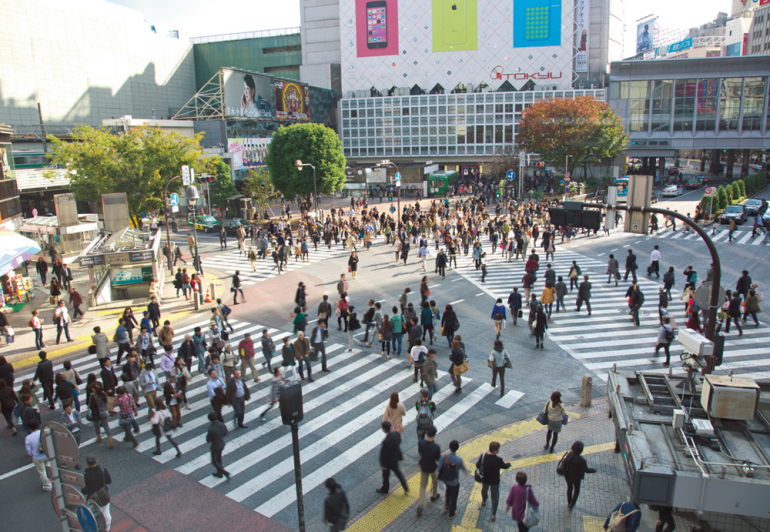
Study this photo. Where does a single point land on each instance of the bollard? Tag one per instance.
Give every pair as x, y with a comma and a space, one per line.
197, 300
585, 393
213, 291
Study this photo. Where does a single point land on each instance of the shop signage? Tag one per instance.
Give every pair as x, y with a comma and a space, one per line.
498, 73
92, 260
132, 276
137, 256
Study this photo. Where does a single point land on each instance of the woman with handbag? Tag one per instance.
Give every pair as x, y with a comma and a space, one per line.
130, 323
574, 472
183, 378
55, 290
353, 264
459, 365
555, 414
522, 503
449, 324
394, 413
498, 361
342, 312
96, 480
162, 425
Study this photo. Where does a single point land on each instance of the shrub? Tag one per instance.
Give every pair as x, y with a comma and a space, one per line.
729, 194
741, 187
721, 198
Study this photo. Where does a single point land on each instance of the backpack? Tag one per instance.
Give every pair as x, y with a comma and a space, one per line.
618, 520
424, 417
226, 310
561, 467
353, 322
641, 297
448, 471
669, 335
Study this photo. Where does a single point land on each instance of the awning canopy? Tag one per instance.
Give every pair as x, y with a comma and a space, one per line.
14, 250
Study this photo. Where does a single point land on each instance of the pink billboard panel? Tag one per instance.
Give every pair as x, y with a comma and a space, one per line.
376, 27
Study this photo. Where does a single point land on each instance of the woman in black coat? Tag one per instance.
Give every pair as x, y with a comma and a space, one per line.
576, 469
541, 324
6, 372
449, 324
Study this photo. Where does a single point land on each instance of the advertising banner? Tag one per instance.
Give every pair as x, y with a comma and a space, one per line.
376, 27
536, 23
582, 17
764, 2
292, 101
454, 25
248, 95
644, 36
248, 153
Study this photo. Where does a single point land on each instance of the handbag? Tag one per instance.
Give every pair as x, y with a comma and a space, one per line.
225, 334
564, 419
478, 476
521, 313
508, 363
102, 495
462, 368
531, 513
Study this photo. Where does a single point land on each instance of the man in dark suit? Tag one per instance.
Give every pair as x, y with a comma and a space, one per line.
44, 374
109, 382
317, 341
216, 437
390, 455
236, 395
584, 295
631, 266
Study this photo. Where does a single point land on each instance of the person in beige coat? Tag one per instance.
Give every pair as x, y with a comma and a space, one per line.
394, 413
302, 352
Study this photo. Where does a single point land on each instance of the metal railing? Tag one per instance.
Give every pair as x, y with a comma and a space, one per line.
245, 35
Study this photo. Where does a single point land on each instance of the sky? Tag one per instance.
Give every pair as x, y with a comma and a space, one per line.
213, 17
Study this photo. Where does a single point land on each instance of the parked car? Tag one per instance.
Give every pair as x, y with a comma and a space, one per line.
753, 206
207, 224
231, 226
673, 190
734, 212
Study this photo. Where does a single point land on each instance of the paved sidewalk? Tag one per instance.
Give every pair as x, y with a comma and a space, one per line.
522, 444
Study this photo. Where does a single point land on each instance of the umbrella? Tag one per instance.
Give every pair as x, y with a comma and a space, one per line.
14, 250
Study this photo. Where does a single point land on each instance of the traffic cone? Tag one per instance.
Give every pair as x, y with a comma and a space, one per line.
208, 296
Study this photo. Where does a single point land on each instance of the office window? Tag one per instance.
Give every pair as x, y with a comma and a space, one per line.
753, 103
661, 105
461, 134
489, 135
730, 104
354, 113
618, 90
471, 137
639, 105
684, 104
479, 109
499, 134
423, 130
509, 134
460, 109
706, 104
480, 134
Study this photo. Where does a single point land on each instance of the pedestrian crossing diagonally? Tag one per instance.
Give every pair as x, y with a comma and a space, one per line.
342, 414
231, 261
608, 337
720, 234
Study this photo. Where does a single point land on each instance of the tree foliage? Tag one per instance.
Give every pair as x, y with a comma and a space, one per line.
138, 162
311, 143
259, 187
222, 187
722, 198
742, 187
503, 162
586, 129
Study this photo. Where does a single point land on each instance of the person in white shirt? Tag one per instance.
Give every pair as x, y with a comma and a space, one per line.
414, 357
61, 318
655, 262
159, 425
71, 420
39, 458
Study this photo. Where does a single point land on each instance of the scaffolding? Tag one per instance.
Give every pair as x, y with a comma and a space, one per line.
208, 103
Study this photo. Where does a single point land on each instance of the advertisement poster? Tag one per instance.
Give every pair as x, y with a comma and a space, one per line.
377, 27
536, 23
292, 101
248, 95
454, 25
248, 153
582, 20
644, 36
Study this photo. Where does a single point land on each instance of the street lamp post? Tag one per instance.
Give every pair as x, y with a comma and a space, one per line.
387, 162
168, 234
299, 164
192, 195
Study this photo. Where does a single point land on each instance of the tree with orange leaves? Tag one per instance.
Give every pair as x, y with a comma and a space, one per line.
585, 129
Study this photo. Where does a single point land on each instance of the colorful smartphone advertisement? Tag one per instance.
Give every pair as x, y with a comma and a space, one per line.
536, 23
376, 27
454, 25
292, 101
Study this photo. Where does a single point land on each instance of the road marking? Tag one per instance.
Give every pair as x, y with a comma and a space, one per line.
745, 238
613, 250
455, 280
456, 302
637, 241
382, 301
481, 294
434, 285
509, 399
600, 254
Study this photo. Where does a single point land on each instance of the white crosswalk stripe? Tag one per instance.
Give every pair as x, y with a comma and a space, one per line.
231, 260
342, 409
745, 238
608, 337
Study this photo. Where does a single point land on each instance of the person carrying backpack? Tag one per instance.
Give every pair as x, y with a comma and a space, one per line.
626, 517
426, 413
336, 506
449, 466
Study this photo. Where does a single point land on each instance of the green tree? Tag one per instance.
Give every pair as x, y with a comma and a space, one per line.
729, 194
741, 187
138, 162
583, 128
222, 187
311, 143
259, 188
722, 198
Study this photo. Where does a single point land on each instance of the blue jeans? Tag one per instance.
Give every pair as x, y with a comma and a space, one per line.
39, 338
431, 390
201, 363
63, 328
307, 364
559, 303
549, 309
366, 331
397, 337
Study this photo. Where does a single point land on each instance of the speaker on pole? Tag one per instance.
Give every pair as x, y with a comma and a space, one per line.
291, 403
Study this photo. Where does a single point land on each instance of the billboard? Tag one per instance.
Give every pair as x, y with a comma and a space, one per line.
582, 17
454, 25
248, 95
376, 27
764, 2
644, 36
451, 42
247, 153
292, 101
536, 23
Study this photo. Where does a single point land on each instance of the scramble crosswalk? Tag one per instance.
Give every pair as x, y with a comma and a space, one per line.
342, 414
719, 234
231, 261
608, 338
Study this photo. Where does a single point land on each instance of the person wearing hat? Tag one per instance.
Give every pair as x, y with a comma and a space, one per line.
96, 478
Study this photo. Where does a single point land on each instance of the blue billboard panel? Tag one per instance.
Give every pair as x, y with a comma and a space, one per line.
536, 23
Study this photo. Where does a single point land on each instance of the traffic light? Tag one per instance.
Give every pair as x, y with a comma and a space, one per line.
205, 178
540, 164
